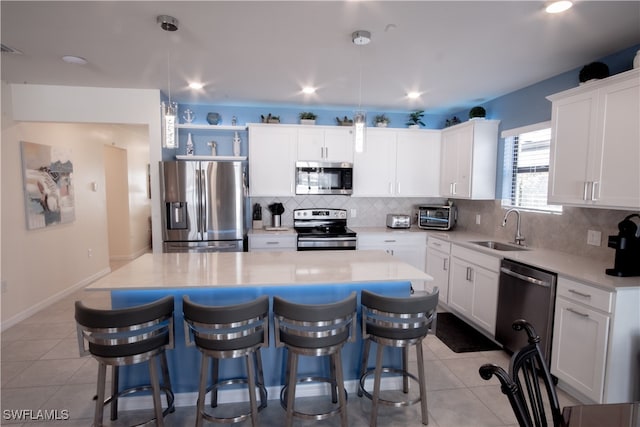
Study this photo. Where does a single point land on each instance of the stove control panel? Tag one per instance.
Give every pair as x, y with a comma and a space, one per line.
320, 214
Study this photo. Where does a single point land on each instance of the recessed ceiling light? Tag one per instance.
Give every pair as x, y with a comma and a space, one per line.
308, 90
361, 37
413, 95
559, 6
195, 85
70, 59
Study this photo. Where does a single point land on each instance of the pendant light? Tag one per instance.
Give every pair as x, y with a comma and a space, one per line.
360, 38
169, 109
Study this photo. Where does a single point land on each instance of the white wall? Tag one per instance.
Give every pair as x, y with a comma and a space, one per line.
40, 266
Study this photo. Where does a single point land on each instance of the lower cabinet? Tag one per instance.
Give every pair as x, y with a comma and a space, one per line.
410, 247
272, 242
594, 351
473, 287
438, 267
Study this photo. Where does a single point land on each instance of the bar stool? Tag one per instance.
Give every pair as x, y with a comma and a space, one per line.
229, 332
314, 330
396, 322
128, 336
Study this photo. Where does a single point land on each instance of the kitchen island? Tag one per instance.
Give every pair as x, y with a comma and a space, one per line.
230, 278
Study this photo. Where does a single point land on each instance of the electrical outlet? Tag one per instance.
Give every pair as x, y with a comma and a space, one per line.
478, 218
353, 213
594, 237
89, 253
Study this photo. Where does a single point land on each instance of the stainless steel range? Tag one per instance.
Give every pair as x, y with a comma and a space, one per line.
323, 229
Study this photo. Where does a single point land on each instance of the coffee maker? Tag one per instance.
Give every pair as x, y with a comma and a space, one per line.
627, 246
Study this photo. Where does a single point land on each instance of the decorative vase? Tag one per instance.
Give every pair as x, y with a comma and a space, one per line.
213, 118
307, 122
381, 124
190, 148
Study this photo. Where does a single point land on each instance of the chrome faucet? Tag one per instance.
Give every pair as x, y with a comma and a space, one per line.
519, 239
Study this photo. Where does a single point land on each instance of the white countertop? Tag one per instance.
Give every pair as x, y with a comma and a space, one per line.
572, 266
237, 269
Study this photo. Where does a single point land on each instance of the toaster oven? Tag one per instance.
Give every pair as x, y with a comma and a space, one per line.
437, 217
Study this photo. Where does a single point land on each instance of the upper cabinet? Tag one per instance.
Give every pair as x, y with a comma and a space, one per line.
328, 144
595, 144
468, 160
272, 157
398, 163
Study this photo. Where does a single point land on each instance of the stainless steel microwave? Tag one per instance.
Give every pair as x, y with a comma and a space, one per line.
437, 217
324, 178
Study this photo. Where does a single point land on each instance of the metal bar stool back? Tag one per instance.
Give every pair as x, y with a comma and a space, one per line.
229, 332
128, 336
314, 330
396, 322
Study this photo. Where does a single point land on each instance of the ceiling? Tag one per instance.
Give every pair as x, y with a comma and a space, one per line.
455, 53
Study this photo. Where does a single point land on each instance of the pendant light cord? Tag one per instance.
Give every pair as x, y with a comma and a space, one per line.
169, 73
360, 86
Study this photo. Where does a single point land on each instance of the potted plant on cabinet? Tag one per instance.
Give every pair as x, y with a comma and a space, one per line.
477, 113
381, 121
415, 119
307, 118
270, 119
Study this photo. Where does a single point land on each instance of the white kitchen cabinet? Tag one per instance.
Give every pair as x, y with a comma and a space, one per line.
437, 266
595, 144
410, 247
593, 350
272, 157
468, 160
325, 143
270, 242
398, 162
473, 287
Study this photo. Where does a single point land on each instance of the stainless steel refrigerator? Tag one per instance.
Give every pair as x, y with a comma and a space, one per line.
203, 206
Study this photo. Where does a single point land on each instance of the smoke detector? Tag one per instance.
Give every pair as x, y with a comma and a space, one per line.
167, 23
361, 37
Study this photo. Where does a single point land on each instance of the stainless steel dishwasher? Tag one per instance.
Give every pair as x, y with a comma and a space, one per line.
525, 292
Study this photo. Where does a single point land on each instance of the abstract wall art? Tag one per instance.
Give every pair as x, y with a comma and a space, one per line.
48, 185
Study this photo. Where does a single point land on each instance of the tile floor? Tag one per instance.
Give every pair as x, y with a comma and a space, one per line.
41, 369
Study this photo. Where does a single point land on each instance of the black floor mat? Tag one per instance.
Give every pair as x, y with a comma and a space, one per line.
460, 337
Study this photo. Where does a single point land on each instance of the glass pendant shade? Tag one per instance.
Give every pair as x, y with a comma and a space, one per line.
169, 119
359, 126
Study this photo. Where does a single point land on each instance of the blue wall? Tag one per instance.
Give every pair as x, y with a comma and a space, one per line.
529, 105
520, 108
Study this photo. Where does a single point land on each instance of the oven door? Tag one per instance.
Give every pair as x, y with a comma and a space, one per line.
316, 243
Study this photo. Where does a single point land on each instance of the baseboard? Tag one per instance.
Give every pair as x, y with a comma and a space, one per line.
12, 321
234, 396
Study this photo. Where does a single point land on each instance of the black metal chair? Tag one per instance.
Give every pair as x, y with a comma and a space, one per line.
229, 332
522, 384
128, 336
396, 322
314, 330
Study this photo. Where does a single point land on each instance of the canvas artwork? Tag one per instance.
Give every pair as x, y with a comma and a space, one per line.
48, 185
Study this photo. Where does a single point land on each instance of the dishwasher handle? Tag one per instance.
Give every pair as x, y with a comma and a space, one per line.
529, 279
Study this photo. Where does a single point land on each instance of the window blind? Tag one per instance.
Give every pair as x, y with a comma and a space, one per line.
526, 162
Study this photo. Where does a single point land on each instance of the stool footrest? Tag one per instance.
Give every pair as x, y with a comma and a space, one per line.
311, 416
167, 391
394, 403
240, 417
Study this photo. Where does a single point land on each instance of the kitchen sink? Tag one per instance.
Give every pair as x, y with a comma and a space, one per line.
499, 246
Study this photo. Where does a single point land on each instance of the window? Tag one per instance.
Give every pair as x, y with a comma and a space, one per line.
526, 168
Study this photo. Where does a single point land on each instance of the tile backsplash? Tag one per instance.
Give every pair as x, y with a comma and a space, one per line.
369, 211
566, 232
